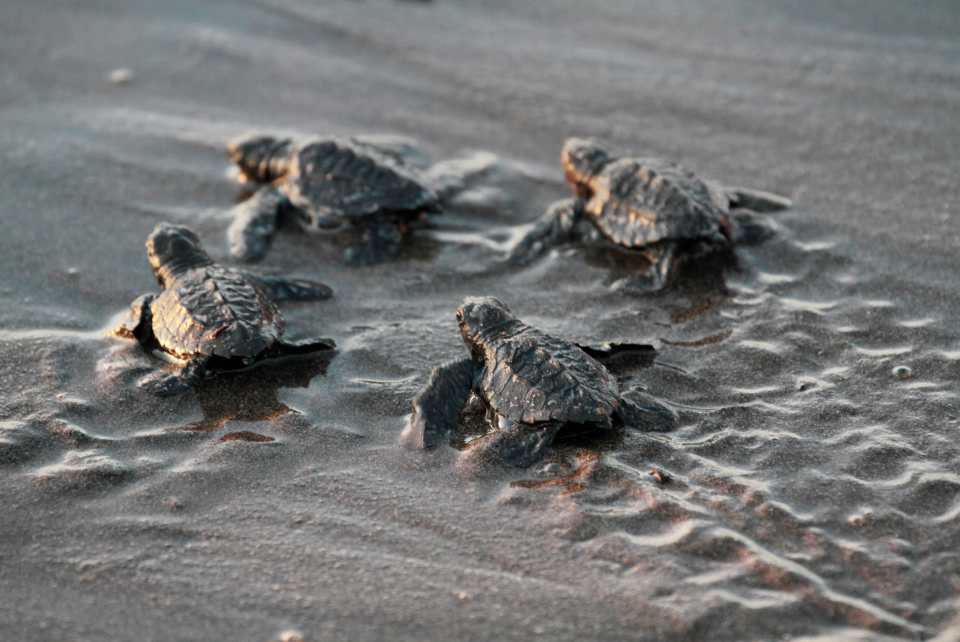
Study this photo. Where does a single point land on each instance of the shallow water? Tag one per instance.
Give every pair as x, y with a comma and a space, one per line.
814, 489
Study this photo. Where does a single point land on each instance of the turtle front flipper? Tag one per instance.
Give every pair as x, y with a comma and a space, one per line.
169, 383
137, 324
380, 243
437, 407
555, 227
756, 200
256, 220
522, 445
643, 412
281, 289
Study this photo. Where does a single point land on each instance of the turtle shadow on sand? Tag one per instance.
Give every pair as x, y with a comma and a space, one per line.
702, 283
251, 395
290, 225
701, 273
475, 437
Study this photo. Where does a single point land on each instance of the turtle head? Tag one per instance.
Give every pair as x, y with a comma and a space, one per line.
582, 159
261, 159
174, 249
479, 314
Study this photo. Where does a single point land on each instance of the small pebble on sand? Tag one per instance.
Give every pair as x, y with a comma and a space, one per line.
902, 372
660, 476
551, 469
121, 76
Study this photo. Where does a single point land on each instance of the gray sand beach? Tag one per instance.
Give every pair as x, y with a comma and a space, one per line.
815, 488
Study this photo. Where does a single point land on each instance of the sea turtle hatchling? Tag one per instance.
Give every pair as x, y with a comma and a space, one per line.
325, 182
531, 383
210, 317
646, 203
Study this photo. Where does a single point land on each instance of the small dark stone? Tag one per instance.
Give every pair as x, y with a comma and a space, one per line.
660, 476
902, 372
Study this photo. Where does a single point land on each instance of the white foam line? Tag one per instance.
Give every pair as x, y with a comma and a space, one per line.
514, 235
64, 333
52, 333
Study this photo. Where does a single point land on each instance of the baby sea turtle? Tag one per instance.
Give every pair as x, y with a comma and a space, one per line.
326, 182
209, 316
646, 203
531, 383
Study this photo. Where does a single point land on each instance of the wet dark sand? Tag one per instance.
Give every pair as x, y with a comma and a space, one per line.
814, 492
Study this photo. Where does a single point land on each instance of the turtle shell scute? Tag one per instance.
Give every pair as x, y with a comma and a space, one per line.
215, 311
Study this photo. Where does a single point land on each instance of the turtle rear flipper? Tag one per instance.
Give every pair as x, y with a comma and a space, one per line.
281, 289
380, 243
666, 258
522, 445
437, 407
176, 382
756, 200
256, 220
303, 346
746, 227
643, 412
555, 227
605, 351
